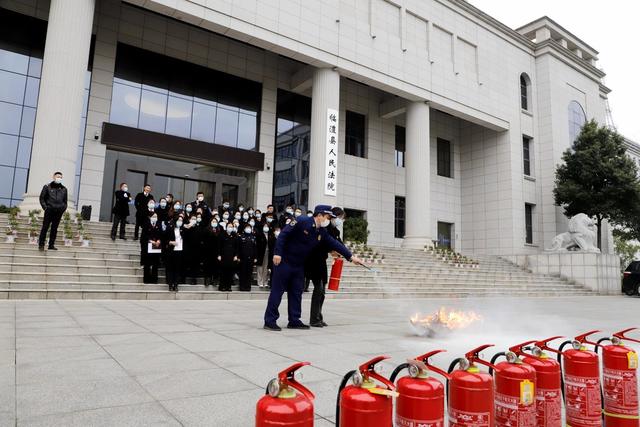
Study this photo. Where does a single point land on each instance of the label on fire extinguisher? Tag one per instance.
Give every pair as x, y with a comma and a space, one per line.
548, 407
582, 400
459, 418
406, 422
620, 391
510, 411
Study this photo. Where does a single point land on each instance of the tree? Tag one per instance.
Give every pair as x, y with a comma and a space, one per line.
598, 178
626, 249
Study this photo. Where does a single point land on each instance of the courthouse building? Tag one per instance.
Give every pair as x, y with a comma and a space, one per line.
430, 118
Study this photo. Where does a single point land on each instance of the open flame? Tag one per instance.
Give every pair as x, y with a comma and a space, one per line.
444, 319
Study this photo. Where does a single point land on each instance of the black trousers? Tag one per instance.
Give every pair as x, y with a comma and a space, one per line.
151, 272
51, 218
118, 220
173, 267
246, 274
139, 224
226, 277
317, 300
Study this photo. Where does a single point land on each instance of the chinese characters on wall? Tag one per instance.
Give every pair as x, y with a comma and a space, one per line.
331, 159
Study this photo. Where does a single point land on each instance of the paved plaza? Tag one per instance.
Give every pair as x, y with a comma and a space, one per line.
135, 363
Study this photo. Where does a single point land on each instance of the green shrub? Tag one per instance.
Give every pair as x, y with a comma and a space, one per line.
356, 230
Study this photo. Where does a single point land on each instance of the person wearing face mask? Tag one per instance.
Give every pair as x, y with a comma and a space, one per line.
144, 228
297, 213
227, 258
309, 214
225, 207
169, 199
259, 218
292, 248
163, 211
262, 241
241, 208
316, 269
53, 199
120, 211
175, 210
192, 250
172, 253
199, 203
210, 253
142, 211
245, 217
237, 216
188, 208
247, 252
286, 217
151, 255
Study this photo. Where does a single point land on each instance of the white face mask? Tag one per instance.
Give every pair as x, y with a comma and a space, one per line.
245, 216
198, 220
297, 214
151, 206
154, 221
277, 233
189, 208
289, 211
229, 230
325, 223
258, 217
163, 205
237, 216
247, 230
252, 223
214, 212
178, 224
225, 205
337, 222
214, 224
269, 220
241, 208
225, 215
265, 229
192, 222
125, 189
177, 207
57, 180
200, 198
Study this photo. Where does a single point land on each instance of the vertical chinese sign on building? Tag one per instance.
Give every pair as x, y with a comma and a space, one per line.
331, 160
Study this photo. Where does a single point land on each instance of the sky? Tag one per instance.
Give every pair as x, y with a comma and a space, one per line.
609, 27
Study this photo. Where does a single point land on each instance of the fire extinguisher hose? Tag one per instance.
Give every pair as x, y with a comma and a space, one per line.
396, 371
452, 366
494, 358
343, 384
600, 341
563, 345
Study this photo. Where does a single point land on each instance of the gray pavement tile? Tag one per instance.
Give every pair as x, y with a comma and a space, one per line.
8, 343
228, 410
164, 386
127, 338
176, 326
113, 329
93, 369
326, 393
261, 375
142, 350
7, 400
205, 341
143, 415
7, 419
227, 359
49, 332
37, 355
69, 395
53, 342
163, 363
321, 422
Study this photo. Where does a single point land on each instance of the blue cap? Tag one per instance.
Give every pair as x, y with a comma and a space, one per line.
323, 209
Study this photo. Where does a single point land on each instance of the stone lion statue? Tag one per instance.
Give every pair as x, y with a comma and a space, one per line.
580, 237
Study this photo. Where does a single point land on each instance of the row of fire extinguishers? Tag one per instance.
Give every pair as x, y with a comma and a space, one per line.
524, 390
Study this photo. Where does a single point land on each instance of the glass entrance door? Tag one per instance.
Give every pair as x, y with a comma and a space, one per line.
445, 239
185, 188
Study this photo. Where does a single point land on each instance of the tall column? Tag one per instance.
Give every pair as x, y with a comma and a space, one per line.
418, 177
57, 127
325, 94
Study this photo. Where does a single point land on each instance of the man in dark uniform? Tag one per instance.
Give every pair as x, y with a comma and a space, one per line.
292, 248
142, 211
199, 203
120, 211
53, 199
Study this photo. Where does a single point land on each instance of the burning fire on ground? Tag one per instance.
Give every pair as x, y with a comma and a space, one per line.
443, 320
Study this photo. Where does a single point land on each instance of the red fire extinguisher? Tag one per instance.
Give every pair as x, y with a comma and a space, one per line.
470, 392
581, 382
420, 399
515, 396
336, 274
619, 381
282, 405
364, 403
548, 381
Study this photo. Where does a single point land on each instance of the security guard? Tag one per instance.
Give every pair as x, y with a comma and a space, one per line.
292, 248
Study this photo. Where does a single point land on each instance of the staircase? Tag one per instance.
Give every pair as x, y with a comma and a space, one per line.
110, 270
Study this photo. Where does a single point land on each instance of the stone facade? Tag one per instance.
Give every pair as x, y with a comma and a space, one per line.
457, 69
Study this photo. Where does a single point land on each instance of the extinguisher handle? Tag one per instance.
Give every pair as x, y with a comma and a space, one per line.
474, 356
425, 359
519, 349
622, 336
287, 378
544, 344
368, 369
582, 338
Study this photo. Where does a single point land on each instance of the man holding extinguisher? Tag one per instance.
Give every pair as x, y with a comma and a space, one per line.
292, 248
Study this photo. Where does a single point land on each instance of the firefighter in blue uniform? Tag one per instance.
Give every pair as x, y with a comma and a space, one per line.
292, 248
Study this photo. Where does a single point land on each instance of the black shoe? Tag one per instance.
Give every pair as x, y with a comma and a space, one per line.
41, 248
323, 323
123, 238
298, 326
273, 327
53, 248
113, 238
316, 324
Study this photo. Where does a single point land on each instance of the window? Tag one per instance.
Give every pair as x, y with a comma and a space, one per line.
401, 136
444, 158
577, 119
291, 163
526, 155
355, 213
22, 42
528, 222
525, 91
355, 134
445, 235
166, 95
400, 217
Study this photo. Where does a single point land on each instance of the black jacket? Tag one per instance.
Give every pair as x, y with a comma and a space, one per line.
151, 232
169, 236
247, 247
271, 246
121, 207
228, 248
54, 197
261, 245
140, 203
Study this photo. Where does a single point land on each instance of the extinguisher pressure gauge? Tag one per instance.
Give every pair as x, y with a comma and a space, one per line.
464, 364
616, 340
577, 345
414, 371
357, 378
536, 351
274, 387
